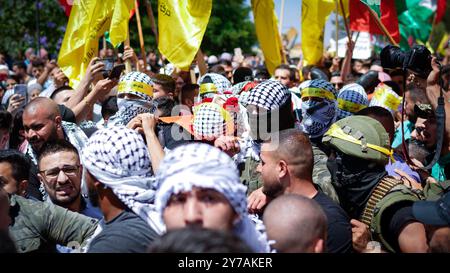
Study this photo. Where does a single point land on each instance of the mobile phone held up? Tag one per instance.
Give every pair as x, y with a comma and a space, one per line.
110, 71
22, 90
116, 72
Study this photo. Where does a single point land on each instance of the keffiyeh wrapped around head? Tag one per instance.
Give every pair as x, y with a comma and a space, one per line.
138, 84
212, 84
211, 121
118, 158
268, 94
204, 166
318, 107
351, 98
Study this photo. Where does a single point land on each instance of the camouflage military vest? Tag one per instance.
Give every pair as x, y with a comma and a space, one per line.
388, 192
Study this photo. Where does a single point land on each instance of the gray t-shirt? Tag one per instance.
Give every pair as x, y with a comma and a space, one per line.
127, 233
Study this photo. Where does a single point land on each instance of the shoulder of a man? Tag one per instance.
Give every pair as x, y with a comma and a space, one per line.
138, 237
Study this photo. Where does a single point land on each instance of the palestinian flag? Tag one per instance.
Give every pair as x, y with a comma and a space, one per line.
361, 20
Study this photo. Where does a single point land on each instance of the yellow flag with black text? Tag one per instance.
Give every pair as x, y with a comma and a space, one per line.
88, 21
266, 25
314, 16
181, 26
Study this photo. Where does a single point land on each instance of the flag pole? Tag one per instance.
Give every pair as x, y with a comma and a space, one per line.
347, 29
201, 62
381, 26
148, 7
127, 43
337, 25
281, 15
141, 37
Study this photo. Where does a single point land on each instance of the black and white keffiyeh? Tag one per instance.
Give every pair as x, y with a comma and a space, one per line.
204, 166
220, 82
76, 137
268, 94
137, 77
139, 84
210, 121
119, 159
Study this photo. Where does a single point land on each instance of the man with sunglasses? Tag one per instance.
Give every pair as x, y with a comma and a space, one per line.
60, 172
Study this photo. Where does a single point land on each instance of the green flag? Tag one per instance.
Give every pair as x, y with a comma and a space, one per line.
374, 5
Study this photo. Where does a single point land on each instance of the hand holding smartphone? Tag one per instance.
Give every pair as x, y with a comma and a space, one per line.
22, 90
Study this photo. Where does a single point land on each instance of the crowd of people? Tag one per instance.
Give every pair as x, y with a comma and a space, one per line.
322, 158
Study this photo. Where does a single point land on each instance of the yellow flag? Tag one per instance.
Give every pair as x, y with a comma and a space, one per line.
181, 26
442, 44
88, 21
119, 22
314, 16
266, 24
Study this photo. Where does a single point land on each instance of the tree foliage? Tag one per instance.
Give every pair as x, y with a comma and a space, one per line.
18, 25
229, 26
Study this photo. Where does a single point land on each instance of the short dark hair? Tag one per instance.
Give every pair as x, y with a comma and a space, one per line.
19, 162
37, 63
5, 120
59, 145
165, 105
166, 82
20, 64
198, 240
242, 74
109, 107
287, 67
188, 90
262, 73
218, 69
60, 89
416, 93
225, 62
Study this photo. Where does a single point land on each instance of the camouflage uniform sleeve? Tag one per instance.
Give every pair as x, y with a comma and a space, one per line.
249, 176
64, 226
434, 191
321, 175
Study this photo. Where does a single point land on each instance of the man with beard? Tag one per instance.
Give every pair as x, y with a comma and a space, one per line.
361, 151
269, 110
286, 167
43, 123
60, 172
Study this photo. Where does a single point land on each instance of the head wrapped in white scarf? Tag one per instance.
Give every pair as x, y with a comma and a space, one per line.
317, 117
204, 166
118, 158
138, 84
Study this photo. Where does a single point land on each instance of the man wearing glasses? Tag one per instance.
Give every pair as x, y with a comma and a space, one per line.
60, 172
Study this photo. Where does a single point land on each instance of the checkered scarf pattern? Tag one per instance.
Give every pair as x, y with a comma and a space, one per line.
353, 93
317, 123
131, 109
137, 77
119, 159
222, 84
209, 122
269, 95
204, 166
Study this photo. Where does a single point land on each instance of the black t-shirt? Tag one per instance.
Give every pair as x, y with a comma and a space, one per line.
394, 219
339, 238
127, 233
